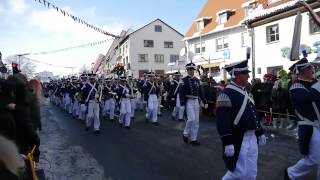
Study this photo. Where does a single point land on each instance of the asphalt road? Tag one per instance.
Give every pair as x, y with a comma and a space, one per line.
146, 152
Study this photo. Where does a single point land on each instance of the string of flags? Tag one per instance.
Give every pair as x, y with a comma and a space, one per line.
75, 19
49, 64
71, 48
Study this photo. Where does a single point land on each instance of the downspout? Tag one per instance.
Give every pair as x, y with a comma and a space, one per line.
253, 49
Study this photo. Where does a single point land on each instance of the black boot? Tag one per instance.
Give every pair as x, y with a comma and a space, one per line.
286, 175
185, 139
97, 132
120, 124
155, 123
195, 143
128, 127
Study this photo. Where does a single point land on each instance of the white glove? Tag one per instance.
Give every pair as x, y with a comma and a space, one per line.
262, 140
206, 106
229, 150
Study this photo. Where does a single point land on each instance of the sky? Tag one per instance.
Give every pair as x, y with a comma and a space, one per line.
28, 27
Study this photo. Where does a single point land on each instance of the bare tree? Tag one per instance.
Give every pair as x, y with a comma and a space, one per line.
25, 65
84, 69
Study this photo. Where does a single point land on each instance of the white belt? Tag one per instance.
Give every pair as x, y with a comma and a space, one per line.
309, 123
192, 97
249, 133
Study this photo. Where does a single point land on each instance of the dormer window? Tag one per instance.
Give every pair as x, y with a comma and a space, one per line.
202, 22
249, 6
273, 1
223, 16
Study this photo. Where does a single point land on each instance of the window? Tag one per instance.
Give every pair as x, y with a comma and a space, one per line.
148, 43
159, 58
158, 28
200, 25
259, 70
143, 57
222, 43
168, 44
244, 39
223, 17
314, 28
197, 48
273, 33
174, 58
273, 1
249, 8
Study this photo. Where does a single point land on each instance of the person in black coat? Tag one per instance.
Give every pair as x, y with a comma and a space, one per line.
8, 126
26, 136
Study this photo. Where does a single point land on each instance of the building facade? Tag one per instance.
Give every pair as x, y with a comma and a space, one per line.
218, 36
272, 24
153, 47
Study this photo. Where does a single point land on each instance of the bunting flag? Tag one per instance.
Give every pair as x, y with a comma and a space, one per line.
49, 64
73, 47
75, 19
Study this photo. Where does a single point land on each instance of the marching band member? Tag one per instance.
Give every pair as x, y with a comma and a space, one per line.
238, 125
133, 98
174, 97
91, 92
151, 93
189, 95
123, 93
83, 106
305, 98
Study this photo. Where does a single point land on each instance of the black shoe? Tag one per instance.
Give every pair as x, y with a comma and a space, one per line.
87, 128
132, 118
195, 143
173, 118
181, 120
185, 139
286, 175
128, 127
146, 120
155, 123
120, 124
97, 132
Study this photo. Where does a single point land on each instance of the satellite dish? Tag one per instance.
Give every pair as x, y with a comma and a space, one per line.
183, 52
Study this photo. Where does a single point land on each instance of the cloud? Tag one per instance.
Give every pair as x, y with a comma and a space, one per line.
18, 6
61, 32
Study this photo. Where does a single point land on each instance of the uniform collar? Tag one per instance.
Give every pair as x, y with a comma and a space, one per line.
235, 84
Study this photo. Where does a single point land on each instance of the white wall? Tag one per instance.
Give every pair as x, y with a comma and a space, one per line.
237, 52
268, 55
136, 47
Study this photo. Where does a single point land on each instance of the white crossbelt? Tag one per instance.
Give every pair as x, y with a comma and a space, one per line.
244, 103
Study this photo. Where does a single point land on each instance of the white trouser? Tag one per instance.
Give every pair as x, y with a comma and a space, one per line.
93, 115
67, 101
246, 167
112, 106
178, 109
192, 126
310, 162
82, 114
75, 108
106, 108
159, 105
125, 111
153, 104
140, 102
133, 102
70, 107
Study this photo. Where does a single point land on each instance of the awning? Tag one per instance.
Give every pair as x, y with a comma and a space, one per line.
211, 65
